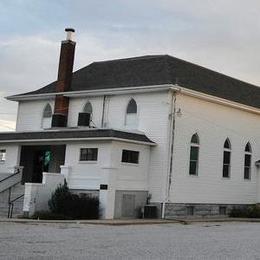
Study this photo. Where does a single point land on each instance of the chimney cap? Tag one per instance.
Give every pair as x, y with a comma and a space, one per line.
69, 30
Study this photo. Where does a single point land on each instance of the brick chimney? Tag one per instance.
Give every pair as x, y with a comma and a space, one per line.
59, 118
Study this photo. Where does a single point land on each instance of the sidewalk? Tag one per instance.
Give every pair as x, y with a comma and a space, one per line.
118, 222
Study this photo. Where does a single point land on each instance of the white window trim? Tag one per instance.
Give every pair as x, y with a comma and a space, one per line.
192, 144
88, 161
229, 169
250, 168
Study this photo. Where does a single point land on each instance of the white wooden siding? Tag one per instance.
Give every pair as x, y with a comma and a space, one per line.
214, 123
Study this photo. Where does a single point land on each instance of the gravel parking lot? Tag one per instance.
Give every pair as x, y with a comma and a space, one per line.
160, 241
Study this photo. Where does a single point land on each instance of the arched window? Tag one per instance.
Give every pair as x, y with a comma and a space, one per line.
46, 116
131, 114
194, 154
88, 108
247, 162
85, 117
226, 159
131, 107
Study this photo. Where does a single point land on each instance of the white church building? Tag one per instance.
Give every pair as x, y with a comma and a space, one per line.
151, 130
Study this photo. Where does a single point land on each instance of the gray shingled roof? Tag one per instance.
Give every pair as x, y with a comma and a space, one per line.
73, 134
156, 70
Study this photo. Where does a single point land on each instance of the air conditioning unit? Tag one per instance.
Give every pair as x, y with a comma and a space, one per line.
84, 119
150, 211
59, 120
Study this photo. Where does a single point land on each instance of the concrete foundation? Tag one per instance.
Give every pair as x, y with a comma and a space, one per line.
173, 210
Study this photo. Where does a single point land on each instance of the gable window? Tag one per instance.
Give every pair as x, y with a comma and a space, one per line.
129, 156
46, 117
88, 154
131, 114
194, 155
88, 108
247, 162
226, 159
2, 155
85, 116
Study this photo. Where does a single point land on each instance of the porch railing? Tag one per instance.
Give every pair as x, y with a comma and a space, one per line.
11, 205
11, 180
8, 183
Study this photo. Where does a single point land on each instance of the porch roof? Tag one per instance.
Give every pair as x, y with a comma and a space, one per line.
60, 135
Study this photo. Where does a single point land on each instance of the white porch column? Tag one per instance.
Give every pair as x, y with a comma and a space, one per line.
65, 171
107, 193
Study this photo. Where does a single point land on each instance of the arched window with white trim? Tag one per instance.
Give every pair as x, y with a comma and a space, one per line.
131, 114
194, 155
247, 161
46, 116
88, 108
226, 159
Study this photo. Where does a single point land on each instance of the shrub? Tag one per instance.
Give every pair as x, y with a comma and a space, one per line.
64, 203
254, 211
58, 201
47, 215
246, 212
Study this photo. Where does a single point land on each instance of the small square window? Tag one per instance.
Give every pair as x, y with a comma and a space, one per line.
129, 156
190, 210
222, 210
2, 155
88, 154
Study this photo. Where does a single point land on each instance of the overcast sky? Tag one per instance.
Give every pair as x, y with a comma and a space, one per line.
222, 35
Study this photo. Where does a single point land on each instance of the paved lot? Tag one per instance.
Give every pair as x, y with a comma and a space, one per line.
160, 241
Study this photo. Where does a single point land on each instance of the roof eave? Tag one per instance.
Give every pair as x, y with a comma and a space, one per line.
94, 92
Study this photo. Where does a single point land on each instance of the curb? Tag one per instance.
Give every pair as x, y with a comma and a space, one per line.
129, 222
91, 222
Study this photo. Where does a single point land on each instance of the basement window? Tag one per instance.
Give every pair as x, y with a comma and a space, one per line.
222, 210
190, 210
129, 156
2, 155
88, 154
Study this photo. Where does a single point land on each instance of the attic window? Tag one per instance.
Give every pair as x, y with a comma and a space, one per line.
88, 108
131, 107
47, 112
47, 116
131, 115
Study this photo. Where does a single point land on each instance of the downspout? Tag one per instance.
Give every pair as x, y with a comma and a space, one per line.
103, 112
170, 149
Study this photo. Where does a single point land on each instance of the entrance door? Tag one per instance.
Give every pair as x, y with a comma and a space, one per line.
128, 206
41, 161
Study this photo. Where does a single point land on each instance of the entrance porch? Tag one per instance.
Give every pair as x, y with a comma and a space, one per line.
37, 159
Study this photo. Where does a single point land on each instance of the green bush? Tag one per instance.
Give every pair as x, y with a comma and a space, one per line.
246, 212
70, 205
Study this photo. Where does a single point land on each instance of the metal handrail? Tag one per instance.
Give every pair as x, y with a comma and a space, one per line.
11, 206
10, 176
